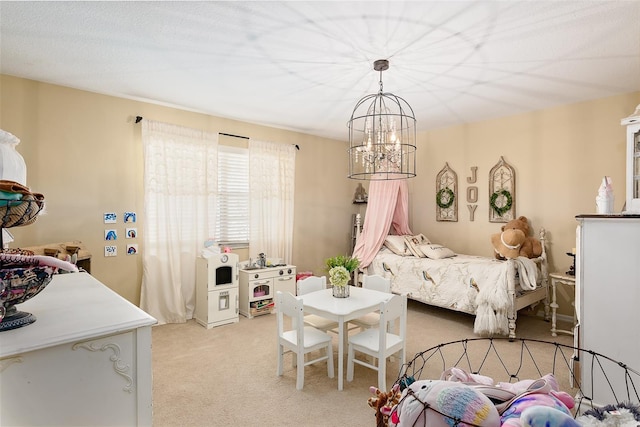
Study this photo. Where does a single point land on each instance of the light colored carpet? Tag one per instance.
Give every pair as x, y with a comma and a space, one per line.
226, 376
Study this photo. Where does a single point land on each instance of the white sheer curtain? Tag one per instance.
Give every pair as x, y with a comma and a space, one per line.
180, 184
271, 190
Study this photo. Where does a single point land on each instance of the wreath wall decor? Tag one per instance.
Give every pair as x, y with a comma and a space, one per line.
501, 208
445, 198
447, 194
502, 192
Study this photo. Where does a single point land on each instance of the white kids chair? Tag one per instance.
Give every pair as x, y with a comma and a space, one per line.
378, 283
312, 284
378, 343
300, 339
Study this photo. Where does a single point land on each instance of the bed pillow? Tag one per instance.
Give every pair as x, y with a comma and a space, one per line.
397, 245
435, 251
414, 242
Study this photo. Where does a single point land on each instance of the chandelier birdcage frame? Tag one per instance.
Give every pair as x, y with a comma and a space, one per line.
382, 136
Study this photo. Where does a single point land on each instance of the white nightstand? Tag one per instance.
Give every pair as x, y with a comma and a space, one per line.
564, 279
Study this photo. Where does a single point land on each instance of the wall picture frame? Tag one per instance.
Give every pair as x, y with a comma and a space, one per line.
110, 250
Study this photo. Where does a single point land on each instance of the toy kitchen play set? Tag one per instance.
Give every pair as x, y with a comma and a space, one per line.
226, 287
216, 289
259, 283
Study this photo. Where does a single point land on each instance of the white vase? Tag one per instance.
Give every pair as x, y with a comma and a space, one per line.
12, 165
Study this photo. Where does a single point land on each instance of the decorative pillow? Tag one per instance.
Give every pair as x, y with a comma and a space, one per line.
397, 245
435, 251
413, 243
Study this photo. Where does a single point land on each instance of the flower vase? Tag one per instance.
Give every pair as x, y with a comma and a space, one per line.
341, 291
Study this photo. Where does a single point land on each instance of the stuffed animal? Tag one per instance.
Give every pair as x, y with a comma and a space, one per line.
513, 399
546, 416
624, 414
515, 241
462, 376
620, 415
545, 396
438, 403
383, 402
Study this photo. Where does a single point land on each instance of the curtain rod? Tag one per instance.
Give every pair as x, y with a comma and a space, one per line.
139, 119
233, 136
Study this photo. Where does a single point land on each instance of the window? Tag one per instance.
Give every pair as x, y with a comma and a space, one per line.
232, 214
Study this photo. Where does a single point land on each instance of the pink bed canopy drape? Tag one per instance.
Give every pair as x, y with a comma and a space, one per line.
387, 211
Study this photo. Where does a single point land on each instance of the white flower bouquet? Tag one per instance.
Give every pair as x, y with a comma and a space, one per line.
339, 276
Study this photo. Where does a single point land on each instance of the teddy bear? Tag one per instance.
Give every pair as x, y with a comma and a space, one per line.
514, 241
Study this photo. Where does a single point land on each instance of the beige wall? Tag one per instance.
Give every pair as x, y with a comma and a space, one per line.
83, 152
560, 156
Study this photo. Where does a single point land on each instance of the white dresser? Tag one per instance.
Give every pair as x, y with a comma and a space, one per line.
85, 361
608, 293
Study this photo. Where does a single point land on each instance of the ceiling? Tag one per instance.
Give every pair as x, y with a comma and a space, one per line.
303, 65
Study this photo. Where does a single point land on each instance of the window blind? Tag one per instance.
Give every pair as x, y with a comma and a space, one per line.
232, 213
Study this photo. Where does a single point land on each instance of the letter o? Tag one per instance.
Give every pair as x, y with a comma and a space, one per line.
472, 194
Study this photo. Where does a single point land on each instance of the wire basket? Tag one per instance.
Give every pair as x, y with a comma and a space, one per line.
16, 213
592, 379
17, 285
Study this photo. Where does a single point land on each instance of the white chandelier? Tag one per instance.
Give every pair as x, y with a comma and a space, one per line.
382, 136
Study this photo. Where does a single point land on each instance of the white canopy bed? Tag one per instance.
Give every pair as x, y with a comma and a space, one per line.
485, 287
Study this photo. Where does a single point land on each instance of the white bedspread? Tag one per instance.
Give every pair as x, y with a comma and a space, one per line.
467, 283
